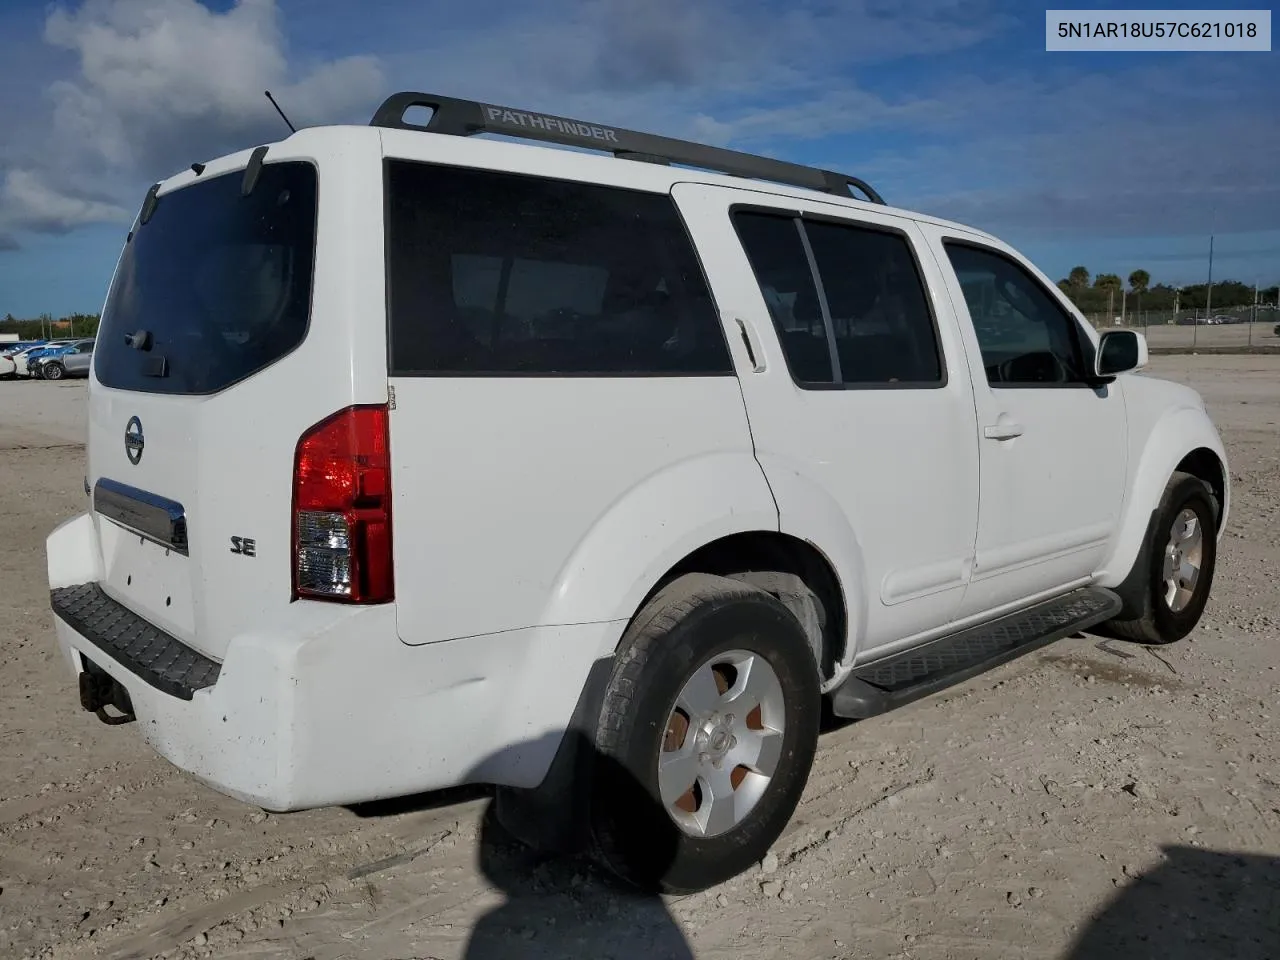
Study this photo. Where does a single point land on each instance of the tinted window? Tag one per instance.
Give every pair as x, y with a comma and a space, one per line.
220, 281
1025, 336
884, 331
495, 273
880, 321
776, 251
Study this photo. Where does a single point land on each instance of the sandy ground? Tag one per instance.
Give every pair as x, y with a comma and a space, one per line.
1094, 800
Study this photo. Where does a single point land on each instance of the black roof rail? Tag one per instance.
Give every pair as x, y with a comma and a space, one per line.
463, 118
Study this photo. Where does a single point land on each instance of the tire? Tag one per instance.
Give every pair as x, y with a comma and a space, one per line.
696, 622
52, 371
1149, 615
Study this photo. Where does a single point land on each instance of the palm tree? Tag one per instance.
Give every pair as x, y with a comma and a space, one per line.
1139, 280
1109, 282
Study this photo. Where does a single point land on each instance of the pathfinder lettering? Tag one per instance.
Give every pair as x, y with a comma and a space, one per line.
541, 121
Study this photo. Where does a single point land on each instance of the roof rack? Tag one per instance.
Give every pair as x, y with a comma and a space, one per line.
463, 118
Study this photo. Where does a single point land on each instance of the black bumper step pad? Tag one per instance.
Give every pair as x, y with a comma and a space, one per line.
162, 660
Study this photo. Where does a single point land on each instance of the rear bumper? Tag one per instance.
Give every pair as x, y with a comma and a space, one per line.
325, 705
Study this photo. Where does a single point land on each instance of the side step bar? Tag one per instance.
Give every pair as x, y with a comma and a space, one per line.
885, 684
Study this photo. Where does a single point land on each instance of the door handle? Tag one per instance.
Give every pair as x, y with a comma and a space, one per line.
1003, 429
757, 363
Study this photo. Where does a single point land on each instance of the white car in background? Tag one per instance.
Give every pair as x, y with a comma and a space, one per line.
7, 367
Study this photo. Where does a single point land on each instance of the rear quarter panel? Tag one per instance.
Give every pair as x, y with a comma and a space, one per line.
523, 502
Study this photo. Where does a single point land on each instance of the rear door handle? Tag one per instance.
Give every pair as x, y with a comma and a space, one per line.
1002, 430
757, 362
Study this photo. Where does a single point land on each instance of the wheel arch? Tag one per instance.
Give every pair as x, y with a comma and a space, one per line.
812, 539
1183, 440
1209, 467
793, 570
653, 527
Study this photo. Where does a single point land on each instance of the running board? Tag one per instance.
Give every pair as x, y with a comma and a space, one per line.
885, 684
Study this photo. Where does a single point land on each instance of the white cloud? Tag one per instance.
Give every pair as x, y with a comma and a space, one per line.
148, 66
714, 69
160, 84
26, 201
836, 111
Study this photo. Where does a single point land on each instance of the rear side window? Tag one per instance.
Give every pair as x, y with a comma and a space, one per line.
502, 274
846, 299
219, 284
775, 246
884, 332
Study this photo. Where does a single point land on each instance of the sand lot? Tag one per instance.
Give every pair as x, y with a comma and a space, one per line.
1093, 800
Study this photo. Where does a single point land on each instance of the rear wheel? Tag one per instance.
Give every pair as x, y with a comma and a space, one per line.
52, 371
706, 735
1171, 589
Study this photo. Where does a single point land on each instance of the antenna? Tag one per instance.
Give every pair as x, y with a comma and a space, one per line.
292, 128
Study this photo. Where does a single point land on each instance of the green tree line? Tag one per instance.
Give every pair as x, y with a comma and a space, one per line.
46, 327
1099, 293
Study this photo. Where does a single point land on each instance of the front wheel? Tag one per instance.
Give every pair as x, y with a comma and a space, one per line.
1171, 590
52, 371
706, 735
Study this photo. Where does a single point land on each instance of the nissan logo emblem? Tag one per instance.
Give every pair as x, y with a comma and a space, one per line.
133, 440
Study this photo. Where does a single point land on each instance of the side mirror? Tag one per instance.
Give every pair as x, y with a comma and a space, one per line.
1120, 351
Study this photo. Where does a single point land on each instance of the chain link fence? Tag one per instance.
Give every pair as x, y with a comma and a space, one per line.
1233, 327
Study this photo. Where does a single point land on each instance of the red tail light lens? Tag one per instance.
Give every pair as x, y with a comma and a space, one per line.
342, 509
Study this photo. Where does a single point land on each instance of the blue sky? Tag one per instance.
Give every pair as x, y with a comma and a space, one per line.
1113, 160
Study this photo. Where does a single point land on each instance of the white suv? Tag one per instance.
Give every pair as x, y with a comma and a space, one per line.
416, 459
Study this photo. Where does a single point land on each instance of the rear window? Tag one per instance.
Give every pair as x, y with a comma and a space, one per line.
221, 283
503, 274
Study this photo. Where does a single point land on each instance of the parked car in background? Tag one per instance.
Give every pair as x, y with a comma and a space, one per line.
71, 360
22, 358
36, 357
8, 351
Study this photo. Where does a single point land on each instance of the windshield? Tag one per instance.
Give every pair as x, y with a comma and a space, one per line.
214, 287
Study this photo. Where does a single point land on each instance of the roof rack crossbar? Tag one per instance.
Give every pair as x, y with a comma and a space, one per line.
463, 118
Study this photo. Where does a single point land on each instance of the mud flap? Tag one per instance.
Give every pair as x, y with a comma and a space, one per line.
554, 817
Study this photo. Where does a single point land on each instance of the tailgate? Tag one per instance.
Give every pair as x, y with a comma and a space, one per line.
190, 446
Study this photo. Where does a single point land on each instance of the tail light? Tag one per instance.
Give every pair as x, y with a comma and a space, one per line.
342, 509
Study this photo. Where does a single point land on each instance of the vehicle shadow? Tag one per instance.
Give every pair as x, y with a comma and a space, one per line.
561, 904
1197, 904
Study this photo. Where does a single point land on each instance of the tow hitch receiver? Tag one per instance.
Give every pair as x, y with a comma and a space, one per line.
99, 690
